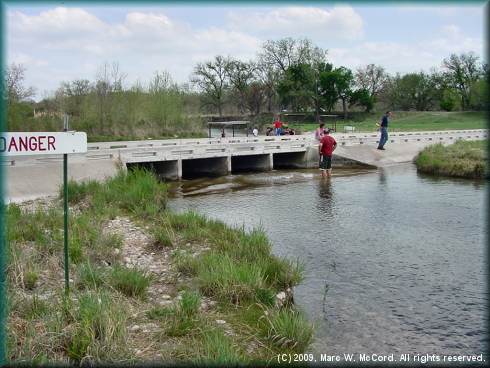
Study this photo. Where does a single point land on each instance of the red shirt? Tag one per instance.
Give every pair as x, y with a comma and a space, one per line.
327, 145
277, 124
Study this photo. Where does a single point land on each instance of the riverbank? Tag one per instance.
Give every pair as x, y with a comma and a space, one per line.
146, 284
467, 159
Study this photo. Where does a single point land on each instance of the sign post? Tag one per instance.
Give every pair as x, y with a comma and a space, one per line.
49, 143
65, 207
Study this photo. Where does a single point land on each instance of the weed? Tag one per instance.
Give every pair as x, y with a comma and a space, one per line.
290, 329
132, 282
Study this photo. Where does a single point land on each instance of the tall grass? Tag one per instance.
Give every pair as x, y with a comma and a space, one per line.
467, 159
98, 320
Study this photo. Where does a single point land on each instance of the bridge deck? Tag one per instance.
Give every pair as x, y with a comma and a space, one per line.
36, 176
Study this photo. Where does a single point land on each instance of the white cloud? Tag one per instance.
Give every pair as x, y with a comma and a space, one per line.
62, 44
451, 39
394, 57
342, 22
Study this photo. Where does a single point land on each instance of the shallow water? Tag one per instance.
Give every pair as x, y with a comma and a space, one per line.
402, 253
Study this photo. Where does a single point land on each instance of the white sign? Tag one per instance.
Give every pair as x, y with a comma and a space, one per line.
42, 143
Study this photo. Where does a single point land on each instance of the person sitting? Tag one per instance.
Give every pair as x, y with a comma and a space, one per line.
319, 132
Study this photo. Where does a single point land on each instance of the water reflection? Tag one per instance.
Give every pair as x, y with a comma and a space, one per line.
402, 253
326, 202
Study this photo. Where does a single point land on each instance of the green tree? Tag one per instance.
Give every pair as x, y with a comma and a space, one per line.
398, 95
296, 85
462, 72
361, 97
165, 105
337, 85
279, 56
76, 92
211, 78
419, 91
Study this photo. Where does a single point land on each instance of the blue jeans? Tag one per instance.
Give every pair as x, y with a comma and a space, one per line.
278, 131
384, 136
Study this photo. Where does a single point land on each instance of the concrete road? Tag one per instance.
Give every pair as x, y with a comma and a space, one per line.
36, 180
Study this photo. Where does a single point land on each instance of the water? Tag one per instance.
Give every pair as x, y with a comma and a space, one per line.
403, 254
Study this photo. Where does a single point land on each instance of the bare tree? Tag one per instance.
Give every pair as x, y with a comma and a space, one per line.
108, 81
241, 76
15, 91
373, 78
287, 52
164, 102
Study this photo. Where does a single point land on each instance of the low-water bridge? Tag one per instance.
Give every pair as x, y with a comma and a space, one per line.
36, 176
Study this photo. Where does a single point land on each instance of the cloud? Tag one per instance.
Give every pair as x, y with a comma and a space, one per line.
394, 57
451, 39
67, 43
342, 22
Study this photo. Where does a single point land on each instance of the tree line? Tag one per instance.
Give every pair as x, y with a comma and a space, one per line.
287, 74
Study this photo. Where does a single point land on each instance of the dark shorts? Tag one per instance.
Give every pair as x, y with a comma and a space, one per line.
325, 163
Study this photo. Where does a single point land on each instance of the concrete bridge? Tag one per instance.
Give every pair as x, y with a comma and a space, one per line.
32, 177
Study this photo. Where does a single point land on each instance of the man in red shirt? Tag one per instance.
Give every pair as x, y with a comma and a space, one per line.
278, 124
325, 150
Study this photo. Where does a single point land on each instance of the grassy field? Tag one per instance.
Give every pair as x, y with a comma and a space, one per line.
403, 121
219, 283
467, 159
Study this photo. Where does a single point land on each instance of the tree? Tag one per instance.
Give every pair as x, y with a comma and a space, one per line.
462, 73
269, 77
361, 97
211, 77
419, 91
108, 83
398, 96
76, 92
165, 103
279, 56
241, 75
286, 52
18, 97
372, 78
256, 97
15, 91
337, 85
296, 85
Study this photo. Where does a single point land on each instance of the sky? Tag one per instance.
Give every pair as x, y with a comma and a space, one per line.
59, 41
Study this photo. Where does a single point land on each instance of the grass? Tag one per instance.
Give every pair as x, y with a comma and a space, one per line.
407, 121
467, 159
114, 313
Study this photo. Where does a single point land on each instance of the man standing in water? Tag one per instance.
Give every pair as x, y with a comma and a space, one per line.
325, 150
384, 130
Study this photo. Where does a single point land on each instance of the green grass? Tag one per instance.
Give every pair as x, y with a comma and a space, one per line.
467, 159
406, 121
217, 273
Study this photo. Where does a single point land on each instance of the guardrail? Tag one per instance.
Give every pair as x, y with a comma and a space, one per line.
172, 149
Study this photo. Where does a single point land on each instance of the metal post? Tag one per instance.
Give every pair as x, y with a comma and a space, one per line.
65, 195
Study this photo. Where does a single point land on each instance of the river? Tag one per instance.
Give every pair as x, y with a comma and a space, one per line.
402, 254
